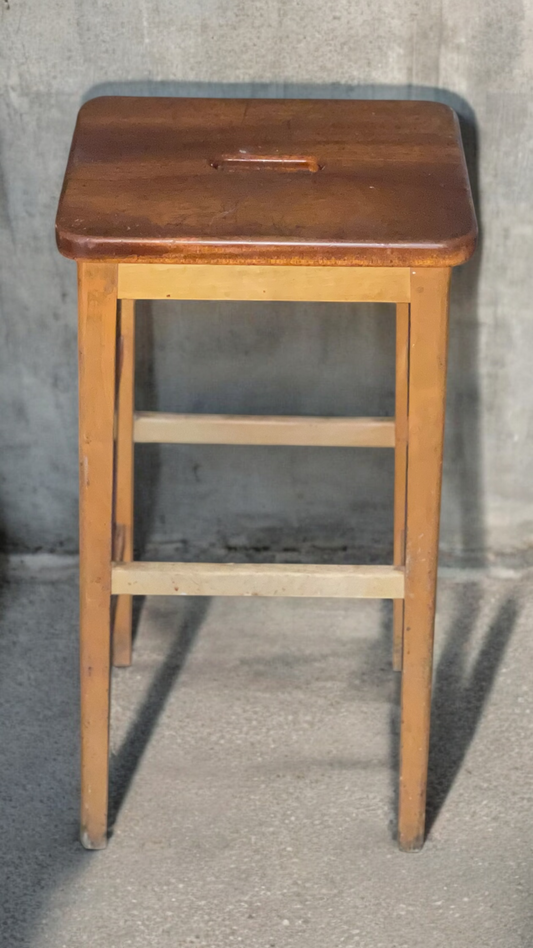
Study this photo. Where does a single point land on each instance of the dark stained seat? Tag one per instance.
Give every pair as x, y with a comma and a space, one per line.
366, 183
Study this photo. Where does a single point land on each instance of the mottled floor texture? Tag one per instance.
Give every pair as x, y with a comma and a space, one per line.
254, 775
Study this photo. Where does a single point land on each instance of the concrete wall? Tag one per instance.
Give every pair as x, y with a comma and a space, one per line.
279, 358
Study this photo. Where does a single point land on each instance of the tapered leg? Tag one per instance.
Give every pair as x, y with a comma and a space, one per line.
428, 339
400, 468
97, 348
123, 521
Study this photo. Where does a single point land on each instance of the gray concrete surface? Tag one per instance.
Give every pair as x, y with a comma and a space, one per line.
279, 358
254, 774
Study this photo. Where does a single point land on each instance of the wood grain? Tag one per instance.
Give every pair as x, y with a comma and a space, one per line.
390, 189
428, 344
97, 344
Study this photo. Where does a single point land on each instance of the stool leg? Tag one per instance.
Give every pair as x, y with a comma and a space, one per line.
97, 310
400, 468
123, 521
428, 338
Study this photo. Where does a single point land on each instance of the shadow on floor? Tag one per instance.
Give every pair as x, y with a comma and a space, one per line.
462, 688
39, 737
462, 685
125, 763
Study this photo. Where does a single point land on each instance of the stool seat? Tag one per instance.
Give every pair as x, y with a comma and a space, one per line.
253, 181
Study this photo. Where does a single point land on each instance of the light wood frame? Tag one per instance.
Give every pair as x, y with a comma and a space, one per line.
109, 427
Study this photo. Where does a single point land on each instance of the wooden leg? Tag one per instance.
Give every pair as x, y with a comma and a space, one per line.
428, 339
400, 468
97, 310
123, 520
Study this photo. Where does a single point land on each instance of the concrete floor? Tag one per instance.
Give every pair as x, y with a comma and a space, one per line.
254, 774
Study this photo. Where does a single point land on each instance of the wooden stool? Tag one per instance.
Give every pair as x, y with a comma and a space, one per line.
212, 199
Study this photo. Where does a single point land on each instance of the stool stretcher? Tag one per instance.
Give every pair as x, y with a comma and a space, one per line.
257, 579
162, 428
